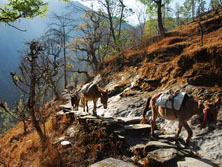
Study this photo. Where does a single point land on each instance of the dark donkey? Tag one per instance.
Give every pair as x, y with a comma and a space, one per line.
92, 92
75, 98
189, 107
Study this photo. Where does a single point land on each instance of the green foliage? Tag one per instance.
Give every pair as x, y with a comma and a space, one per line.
186, 9
6, 121
215, 3
16, 9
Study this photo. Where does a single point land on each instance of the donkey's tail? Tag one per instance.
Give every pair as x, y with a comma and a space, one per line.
145, 110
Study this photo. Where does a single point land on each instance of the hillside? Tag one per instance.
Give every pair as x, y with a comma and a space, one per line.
177, 62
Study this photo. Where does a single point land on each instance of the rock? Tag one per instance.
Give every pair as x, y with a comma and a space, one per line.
66, 106
129, 120
60, 139
138, 150
66, 110
66, 143
154, 145
162, 156
192, 162
61, 112
111, 162
71, 131
137, 128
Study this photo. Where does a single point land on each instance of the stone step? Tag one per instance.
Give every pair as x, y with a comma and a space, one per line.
128, 120
137, 128
66, 106
111, 162
192, 162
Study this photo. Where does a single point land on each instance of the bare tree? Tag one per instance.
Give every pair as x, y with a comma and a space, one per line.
60, 30
92, 32
29, 82
200, 26
50, 65
142, 17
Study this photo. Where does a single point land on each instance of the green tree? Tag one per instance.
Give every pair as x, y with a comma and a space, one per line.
16, 9
157, 5
114, 12
10, 116
177, 13
7, 120
215, 3
186, 10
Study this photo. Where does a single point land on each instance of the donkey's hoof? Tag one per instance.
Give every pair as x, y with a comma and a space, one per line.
153, 137
187, 143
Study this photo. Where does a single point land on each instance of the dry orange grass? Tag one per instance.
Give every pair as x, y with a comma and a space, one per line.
26, 150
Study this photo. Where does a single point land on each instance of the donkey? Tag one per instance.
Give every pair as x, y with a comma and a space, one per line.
190, 106
92, 92
75, 98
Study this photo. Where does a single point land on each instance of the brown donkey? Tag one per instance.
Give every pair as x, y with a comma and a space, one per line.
75, 98
92, 92
189, 107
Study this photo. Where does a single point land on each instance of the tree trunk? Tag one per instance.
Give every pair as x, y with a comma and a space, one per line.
201, 31
95, 62
121, 17
160, 22
111, 21
31, 100
64, 56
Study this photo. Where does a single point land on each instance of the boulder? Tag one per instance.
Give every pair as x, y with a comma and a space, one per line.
162, 157
111, 162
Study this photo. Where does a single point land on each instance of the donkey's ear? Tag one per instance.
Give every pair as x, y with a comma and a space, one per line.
109, 93
199, 103
206, 103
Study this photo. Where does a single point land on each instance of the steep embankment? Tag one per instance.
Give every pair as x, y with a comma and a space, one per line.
179, 58
177, 62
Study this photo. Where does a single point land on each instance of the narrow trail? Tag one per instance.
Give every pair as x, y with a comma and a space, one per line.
123, 116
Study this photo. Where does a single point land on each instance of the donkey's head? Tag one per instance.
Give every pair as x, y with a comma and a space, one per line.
210, 112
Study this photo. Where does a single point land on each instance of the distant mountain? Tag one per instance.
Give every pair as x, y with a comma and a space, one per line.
12, 41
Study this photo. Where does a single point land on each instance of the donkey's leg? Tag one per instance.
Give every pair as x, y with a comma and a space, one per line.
189, 131
87, 107
72, 103
77, 105
83, 103
94, 107
180, 125
153, 121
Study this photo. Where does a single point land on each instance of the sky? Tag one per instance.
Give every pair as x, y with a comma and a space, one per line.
134, 4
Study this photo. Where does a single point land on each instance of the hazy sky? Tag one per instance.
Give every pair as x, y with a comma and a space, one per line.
134, 4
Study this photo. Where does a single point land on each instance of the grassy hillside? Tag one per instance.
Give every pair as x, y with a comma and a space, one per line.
179, 58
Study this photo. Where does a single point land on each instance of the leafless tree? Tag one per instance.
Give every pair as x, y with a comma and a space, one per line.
50, 65
92, 32
60, 31
29, 82
142, 17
